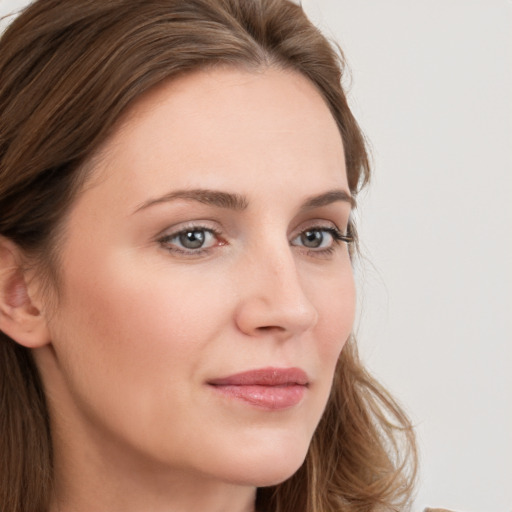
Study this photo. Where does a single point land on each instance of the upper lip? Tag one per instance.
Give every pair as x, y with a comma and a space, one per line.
264, 377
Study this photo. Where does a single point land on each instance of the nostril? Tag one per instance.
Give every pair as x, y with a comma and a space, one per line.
270, 328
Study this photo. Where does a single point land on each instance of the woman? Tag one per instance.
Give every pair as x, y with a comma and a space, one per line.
176, 251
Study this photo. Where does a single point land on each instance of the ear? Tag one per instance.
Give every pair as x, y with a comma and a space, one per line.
21, 317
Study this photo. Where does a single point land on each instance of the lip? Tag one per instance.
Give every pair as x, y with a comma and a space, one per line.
266, 388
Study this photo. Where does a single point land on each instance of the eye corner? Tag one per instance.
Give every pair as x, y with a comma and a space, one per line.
347, 238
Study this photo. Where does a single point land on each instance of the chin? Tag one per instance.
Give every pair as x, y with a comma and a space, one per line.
276, 476
264, 469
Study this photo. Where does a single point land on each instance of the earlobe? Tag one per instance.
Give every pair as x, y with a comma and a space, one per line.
20, 318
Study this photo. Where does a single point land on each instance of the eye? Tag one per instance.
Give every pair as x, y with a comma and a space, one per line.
315, 239
320, 238
191, 240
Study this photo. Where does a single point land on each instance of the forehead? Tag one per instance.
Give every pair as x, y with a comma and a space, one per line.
217, 128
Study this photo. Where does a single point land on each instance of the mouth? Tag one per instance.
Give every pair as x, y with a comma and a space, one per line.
266, 388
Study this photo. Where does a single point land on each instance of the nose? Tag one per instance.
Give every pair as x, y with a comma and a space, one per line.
272, 296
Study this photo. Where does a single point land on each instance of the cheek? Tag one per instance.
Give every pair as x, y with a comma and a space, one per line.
131, 341
127, 334
335, 304
136, 315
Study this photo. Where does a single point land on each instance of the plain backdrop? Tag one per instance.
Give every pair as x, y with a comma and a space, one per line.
431, 85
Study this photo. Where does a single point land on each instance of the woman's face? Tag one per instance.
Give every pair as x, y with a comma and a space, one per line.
205, 245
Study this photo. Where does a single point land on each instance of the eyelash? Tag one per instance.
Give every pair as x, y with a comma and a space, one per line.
337, 238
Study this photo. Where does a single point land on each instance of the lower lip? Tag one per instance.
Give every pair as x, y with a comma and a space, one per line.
265, 397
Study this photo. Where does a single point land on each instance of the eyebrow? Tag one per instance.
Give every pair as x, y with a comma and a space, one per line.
205, 196
329, 197
239, 202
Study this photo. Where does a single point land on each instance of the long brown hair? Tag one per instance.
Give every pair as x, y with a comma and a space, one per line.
69, 70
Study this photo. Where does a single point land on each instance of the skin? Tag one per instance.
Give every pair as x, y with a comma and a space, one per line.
142, 324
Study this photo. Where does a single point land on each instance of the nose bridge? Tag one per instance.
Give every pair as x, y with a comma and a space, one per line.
274, 295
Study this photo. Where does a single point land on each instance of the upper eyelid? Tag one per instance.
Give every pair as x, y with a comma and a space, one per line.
215, 226
175, 230
175, 234
218, 226
317, 224
202, 225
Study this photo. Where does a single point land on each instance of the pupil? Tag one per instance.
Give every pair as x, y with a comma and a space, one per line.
312, 238
192, 239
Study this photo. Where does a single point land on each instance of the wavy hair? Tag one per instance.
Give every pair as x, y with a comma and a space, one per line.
69, 70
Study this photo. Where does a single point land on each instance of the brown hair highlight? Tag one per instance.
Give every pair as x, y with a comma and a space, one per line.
69, 71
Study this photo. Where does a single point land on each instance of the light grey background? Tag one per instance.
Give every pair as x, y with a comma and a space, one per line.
432, 89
